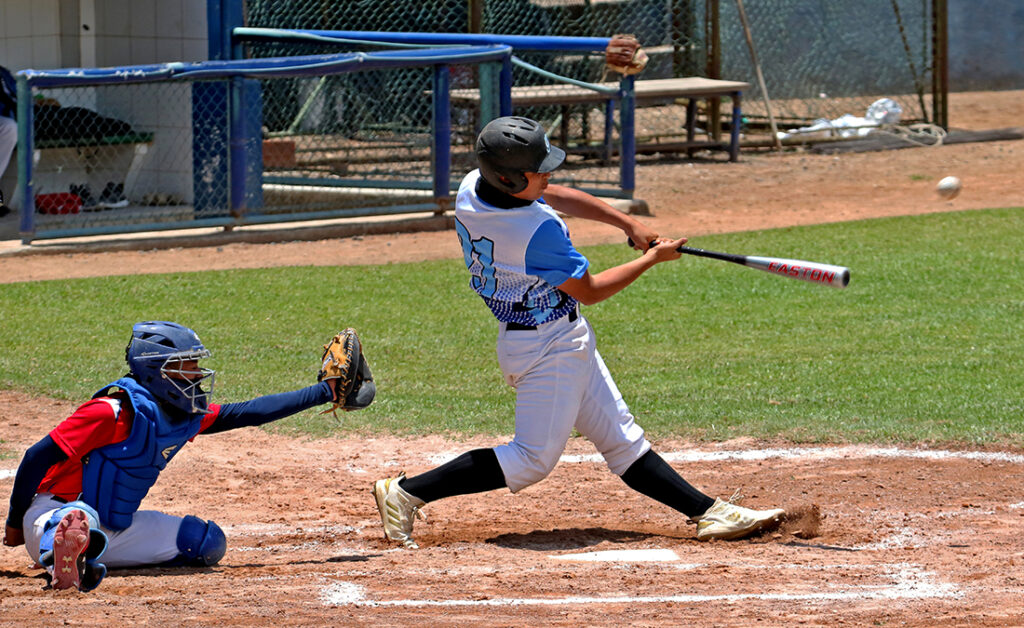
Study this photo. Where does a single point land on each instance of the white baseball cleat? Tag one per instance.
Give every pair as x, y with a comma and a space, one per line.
725, 520
397, 509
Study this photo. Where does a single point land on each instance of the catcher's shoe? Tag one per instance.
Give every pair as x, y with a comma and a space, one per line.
725, 520
69, 544
397, 509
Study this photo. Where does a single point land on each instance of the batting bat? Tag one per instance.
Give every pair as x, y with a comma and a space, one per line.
813, 272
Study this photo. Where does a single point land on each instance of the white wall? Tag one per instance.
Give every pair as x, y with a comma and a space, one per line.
29, 34
46, 34
43, 34
133, 32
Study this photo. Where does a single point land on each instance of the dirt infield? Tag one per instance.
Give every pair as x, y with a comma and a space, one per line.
876, 535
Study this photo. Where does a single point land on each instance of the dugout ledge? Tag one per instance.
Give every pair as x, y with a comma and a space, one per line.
253, 234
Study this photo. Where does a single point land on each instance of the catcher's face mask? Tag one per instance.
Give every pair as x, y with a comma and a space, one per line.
183, 373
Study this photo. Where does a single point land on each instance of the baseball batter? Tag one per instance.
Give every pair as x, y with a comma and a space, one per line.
524, 266
77, 492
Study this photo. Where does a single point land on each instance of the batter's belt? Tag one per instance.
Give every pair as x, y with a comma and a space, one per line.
572, 316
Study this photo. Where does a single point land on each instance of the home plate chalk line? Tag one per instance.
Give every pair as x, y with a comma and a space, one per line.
906, 582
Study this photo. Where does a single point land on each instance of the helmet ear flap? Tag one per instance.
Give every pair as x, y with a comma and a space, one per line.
510, 181
520, 181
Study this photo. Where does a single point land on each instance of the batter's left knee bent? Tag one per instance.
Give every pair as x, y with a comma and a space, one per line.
523, 466
201, 543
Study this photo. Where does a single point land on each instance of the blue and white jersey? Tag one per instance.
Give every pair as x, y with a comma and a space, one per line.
517, 257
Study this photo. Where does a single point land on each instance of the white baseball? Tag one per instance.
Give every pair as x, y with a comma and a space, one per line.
948, 188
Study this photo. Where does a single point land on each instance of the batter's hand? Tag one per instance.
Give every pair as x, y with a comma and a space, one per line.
641, 237
13, 537
664, 249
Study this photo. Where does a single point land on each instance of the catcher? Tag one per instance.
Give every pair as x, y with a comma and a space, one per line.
76, 495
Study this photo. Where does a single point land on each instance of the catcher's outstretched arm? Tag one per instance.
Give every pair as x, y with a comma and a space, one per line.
269, 408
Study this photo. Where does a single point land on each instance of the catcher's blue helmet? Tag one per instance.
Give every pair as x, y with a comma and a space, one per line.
509, 146
155, 356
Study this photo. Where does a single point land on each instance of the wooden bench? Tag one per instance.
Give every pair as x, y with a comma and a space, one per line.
60, 163
647, 92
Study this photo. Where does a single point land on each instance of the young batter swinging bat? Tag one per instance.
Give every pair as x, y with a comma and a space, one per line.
825, 274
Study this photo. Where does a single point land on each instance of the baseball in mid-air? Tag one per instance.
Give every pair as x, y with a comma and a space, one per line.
949, 187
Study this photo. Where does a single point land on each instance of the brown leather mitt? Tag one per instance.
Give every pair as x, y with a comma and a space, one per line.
624, 55
345, 368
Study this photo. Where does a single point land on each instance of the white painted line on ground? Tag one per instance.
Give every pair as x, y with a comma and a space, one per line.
1018, 505
6, 473
342, 594
908, 582
275, 529
820, 453
622, 556
441, 458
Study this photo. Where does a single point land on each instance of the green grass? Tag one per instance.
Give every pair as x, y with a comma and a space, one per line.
924, 346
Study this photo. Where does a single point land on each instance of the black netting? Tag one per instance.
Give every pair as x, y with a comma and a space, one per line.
819, 59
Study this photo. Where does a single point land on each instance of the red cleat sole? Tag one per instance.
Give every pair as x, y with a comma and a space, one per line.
69, 544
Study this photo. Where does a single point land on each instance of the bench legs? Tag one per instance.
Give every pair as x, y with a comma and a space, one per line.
734, 132
691, 124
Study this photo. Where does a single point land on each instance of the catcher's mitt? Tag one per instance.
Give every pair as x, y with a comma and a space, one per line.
345, 367
624, 55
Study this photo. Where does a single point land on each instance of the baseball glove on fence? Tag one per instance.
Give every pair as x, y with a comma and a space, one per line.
345, 367
624, 55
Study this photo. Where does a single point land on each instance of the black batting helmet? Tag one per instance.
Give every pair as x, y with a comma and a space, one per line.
507, 147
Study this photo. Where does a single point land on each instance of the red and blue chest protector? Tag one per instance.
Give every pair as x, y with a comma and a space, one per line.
116, 477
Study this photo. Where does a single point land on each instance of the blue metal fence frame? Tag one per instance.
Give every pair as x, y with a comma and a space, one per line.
625, 95
241, 157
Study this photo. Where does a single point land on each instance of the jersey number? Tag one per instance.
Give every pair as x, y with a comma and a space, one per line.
479, 255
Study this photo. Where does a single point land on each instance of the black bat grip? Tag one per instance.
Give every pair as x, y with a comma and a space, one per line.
689, 250
631, 244
681, 249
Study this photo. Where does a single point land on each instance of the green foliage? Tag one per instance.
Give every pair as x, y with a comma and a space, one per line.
924, 345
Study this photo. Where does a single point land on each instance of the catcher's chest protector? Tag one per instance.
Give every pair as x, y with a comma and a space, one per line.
116, 478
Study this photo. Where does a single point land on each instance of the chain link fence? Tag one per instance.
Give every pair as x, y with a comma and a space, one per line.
101, 152
178, 145
162, 153
820, 60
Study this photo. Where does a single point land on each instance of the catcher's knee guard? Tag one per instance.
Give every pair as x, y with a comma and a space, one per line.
201, 543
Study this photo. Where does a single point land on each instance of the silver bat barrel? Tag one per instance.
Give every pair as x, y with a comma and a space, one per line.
826, 274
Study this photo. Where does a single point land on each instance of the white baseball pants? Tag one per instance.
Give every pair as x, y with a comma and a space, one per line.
562, 383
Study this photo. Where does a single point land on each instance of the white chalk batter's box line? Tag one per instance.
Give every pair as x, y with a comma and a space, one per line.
907, 582
794, 453
822, 453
